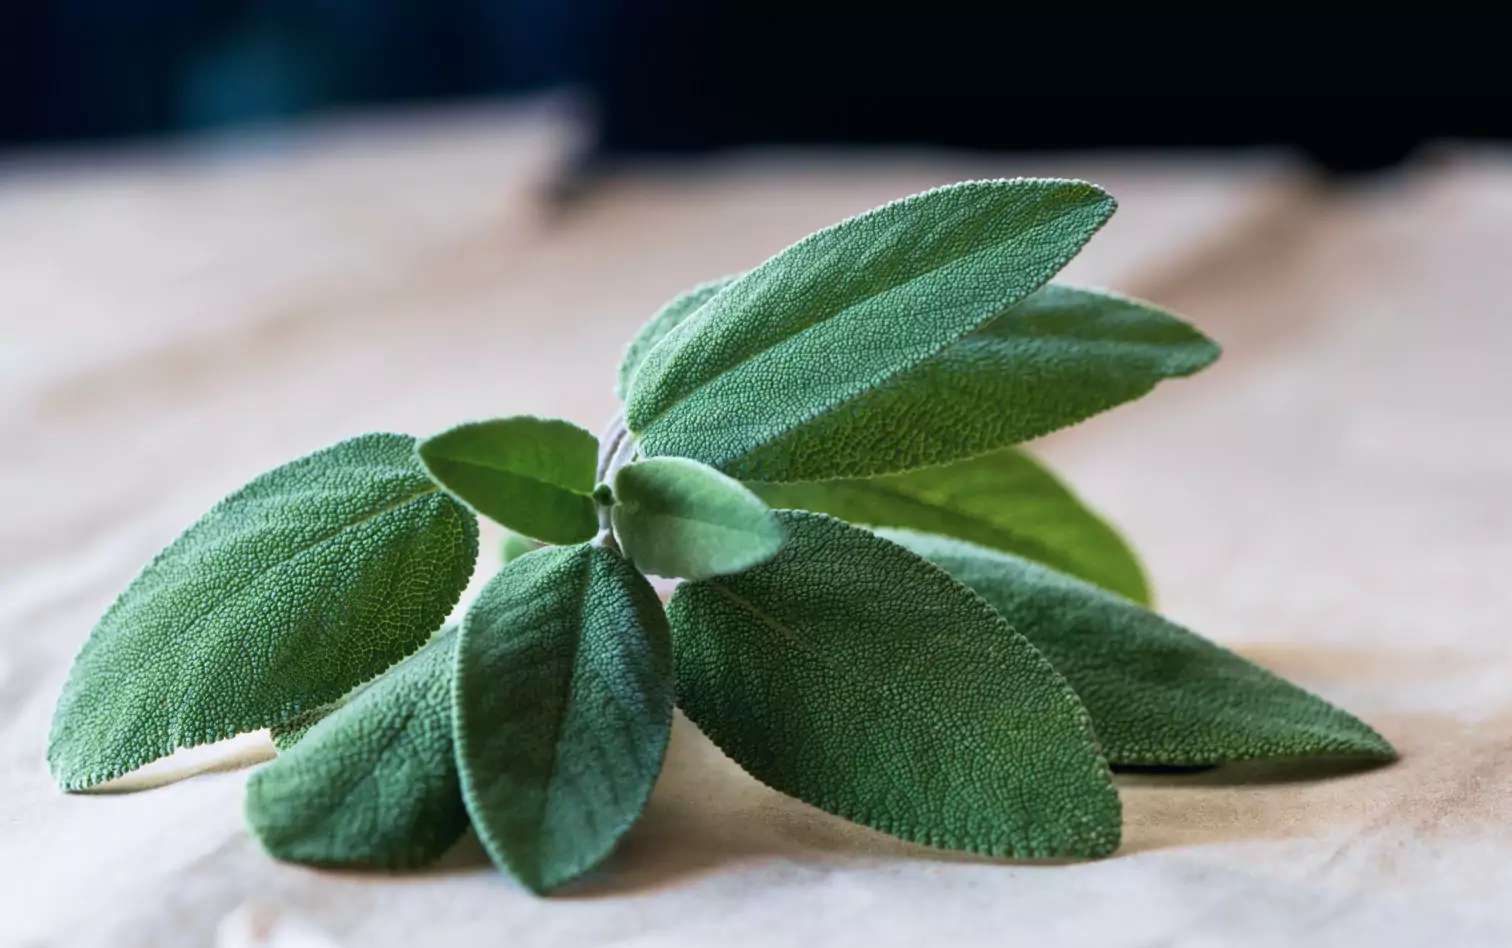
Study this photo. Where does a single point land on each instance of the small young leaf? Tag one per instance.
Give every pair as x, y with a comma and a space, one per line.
1005, 500
515, 546
676, 517
374, 782
1158, 694
311, 579
841, 311
1060, 356
679, 309
855, 676
563, 706
533, 475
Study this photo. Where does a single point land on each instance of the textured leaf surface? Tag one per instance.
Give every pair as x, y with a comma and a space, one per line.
838, 313
661, 323
292, 731
311, 579
374, 782
563, 709
1006, 500
1060, 356
1158, 694
533, 475
676, 517
853, 675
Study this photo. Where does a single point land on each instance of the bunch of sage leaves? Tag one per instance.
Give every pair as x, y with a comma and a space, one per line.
886, 609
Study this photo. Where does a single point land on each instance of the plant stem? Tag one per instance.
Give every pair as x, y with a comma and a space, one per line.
609, 442
616, 449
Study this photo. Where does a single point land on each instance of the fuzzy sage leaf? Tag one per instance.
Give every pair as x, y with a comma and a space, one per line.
563, 708
1062, 355
678, 518
1006, 500
662, 322
374, 781
852, 674
311, 579
533, 475
1158, 694
292, 731
840, 312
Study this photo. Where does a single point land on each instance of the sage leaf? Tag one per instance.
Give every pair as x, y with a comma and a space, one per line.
661, 323
1006, 500
311, 579
1061, 356
533, 475
514, 546
374, 782
853, 675
563, 708
1158, 694
841, 311
676, 517
292, 731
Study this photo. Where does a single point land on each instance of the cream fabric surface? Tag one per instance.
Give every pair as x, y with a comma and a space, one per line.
1331, 499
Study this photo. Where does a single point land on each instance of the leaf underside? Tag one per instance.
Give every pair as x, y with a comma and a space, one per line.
533, 475
313, 578
841, 311
563, 706
1159, 695
374, 782
853, 675
1005, 500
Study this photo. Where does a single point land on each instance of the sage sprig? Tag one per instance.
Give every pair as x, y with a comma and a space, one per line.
887, 609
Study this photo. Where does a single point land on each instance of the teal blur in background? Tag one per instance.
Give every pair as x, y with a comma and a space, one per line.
666, 76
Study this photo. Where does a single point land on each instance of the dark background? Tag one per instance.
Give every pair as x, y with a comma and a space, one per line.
1356, 93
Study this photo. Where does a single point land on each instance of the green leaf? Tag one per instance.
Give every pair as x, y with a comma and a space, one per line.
1005, 500
1060, 356
1159, 695
292, 731
373, 783
563, 709
515, 546
676, 517
853, 675
841, 311
661, 323
311, 579
533, 475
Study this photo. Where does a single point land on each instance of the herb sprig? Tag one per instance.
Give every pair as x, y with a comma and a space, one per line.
887, 609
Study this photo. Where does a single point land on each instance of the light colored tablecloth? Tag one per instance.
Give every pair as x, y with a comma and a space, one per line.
1331, 498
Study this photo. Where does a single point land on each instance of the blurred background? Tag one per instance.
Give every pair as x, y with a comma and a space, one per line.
671, 77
